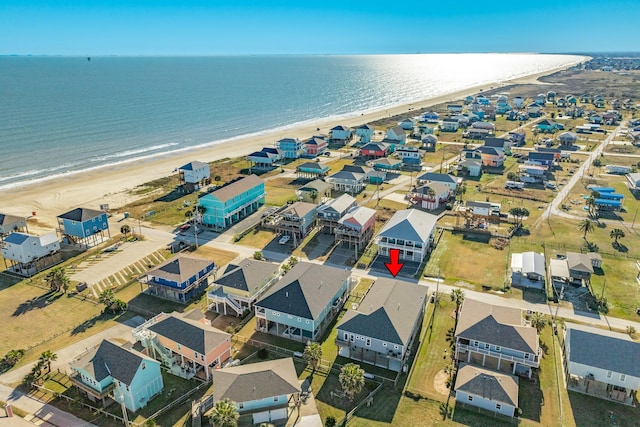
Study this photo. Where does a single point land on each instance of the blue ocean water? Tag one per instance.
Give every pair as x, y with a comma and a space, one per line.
67, 114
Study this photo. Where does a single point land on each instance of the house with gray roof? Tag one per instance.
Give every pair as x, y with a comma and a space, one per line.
316, 191
633, 181
266, 158
302, 304
601, 363
528, 269
396, 134
264, 389
365, 132
180, 278
83, 225
430, 196
443, 178
496, 337
411, 231
356, 228
186, 343
11, 223
329, 213
350, 179
580, 266
109, 370
382, 328
232, 202
240, 284
487, 389
296, 220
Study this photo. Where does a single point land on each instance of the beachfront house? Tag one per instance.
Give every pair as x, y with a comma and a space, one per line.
430, 196
396, 134
329, 213
528, 270
411, 231
193, 176
601, 363
496, 337
112, 371
180, 278
311, 170
493, 391
296, 220
375, 150
84, 226
11, 223
239, 285
315, 146
430, 117
291, 148
316, 191
266, 158
304, 302
341, 134
186, 343
454, 108
266, 390
381, 330
365, 133
351, 179
232, 202
26, 254
356, 228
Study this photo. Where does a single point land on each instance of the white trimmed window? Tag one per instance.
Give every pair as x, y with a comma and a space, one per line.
498, 406
609, 374
623, 377
368, 342
470, 398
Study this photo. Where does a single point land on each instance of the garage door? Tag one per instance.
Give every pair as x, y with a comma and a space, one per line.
261, 417
279, 414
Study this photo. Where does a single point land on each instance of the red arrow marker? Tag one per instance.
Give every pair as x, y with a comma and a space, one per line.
394, 266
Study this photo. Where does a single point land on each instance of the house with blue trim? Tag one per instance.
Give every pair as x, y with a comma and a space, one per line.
365, 132
266, 158
266, 390
493, 391
82, 225
410, 155
385, 164
302, 305
117, 372
396, 134
232, 202
341, 134
180, 278
541, 158
291, 148
26, 254
193, 175
351, 179
311, 170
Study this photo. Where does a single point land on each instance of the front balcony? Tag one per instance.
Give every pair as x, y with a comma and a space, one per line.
533, 363
589, 386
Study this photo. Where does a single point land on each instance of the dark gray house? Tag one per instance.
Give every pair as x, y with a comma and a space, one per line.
330, 213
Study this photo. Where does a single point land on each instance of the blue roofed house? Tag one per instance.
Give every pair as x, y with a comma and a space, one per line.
193, 175
601, 363
266, 158
266, 390
443, 178
411, 231
548, 126
541, 158
365, 132
180, 278
26, 254
232, 202
381, 330
341, 134
304, 302
240, 284
117, 372
291, 148
82, 225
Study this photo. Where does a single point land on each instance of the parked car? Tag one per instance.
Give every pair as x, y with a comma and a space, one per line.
284, 239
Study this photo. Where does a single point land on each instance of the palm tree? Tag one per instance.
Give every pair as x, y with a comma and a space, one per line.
538, 321
57, 279
586, 226
47, 357
125, 229
616, 234
224, 414
107, 297
519, 213
13, 356
591, 204
457, 296
313, 354
351, 379
460, 191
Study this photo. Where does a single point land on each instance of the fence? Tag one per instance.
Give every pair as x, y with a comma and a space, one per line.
366, 401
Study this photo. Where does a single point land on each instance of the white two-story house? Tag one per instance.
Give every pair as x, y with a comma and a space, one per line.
411, 231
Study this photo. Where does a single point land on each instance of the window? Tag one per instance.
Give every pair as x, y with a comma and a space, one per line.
346, 336
299, 319
307, 322
352, 338
384, 344
486, 346
195, 353
179, 347
526, 356
623, 377
368, 342
498, 348
289, 316
609, 374
240, 405
202, 357
275, 399
143, 366
498, 406
396, 347
470, 398
274, 313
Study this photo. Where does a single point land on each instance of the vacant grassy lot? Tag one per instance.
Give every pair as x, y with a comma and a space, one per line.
280, 191
219, 256
257, 238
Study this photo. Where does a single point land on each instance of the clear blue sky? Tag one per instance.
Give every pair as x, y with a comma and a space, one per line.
263, 27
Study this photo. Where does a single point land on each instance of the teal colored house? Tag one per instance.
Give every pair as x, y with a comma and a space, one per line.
82, 225
311, 170
119, 373
304, 302
232, 202
291, 148
264, 389
549, 126
386, 163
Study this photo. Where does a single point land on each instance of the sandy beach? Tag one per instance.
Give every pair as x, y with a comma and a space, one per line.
111, 184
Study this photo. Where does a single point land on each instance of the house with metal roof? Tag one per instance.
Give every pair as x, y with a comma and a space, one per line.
291, 148
528, 269
232, 202
26, 254
365, 132
329, 213
186, 344
375, 150
430, 196
351, 179
85, 226
356, 228
541, 158
341, 134
396, 134
450, 180
311, 170
494, 391
240, 284
193, 175
382, 328
118, 372
316, 191
302, 304
265, 390
411, 231
180, 278
601, 363
11, 223
496, 337
314, 146
633, 181
266, 158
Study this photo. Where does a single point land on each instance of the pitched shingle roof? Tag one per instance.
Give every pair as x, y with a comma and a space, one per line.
490, 385
9, 219
179, 269
610, 351
410, 224
234, 188
80, 214
317, 185
579, 262
305, 290
194, 165
299, 209
501, 326
339, 205
109, 359
248, 275
256, 381
388, 312
358, 215
190, 333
